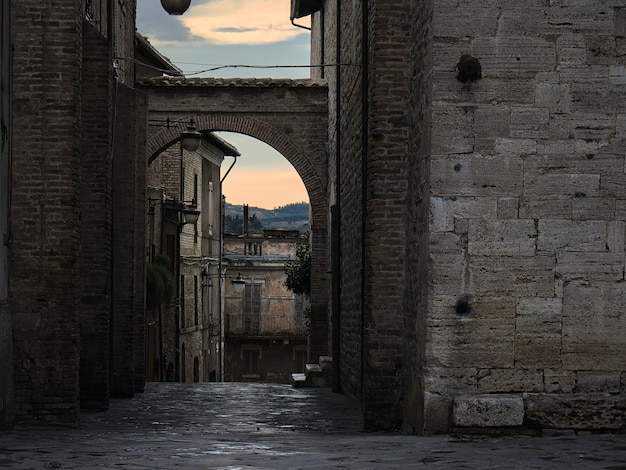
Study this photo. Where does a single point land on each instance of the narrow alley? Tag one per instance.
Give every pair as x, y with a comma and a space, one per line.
258, 426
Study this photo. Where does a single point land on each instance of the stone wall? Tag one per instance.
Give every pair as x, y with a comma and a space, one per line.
527, 231
495, 203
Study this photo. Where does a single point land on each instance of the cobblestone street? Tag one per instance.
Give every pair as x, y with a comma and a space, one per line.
255, 426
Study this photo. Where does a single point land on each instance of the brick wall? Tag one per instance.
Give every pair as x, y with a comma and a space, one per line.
6, 325
128, 224
44, 263
96, 167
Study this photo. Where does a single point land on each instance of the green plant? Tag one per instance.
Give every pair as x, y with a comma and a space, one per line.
160, 283
299, 271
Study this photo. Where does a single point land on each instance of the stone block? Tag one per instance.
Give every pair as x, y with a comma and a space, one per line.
615, 236
515, 147
593, 326
507, 208
505, 237
539, 184
510, 380
536, 315
537, 350
553, 207
475, 175
530, 122
492, 121
447, 272
599, 266
597, 382
453, 130
505, 54
484, 338
596, 208
451, 380
512, 276
568, 235
559, 381
571, 49
485, 411
567, 411
436, 413
553, 96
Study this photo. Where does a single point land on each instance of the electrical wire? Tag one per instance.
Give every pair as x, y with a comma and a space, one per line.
214, 67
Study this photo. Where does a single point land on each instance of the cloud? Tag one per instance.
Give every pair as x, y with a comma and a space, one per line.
252, 22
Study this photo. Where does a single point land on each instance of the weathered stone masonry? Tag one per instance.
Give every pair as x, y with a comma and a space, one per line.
496, 205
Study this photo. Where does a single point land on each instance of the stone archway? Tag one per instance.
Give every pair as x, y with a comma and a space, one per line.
288, 115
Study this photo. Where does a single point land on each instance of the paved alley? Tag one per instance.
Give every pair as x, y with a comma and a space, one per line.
256, 426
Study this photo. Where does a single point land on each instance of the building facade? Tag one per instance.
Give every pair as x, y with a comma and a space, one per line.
477, 186
265, 326
72, 195
183, 335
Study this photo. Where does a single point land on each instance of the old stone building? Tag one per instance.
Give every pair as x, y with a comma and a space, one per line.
467, 190
265, 328
477, 187
183, 335
72, 211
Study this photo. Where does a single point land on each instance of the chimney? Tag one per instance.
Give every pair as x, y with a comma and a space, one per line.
245, 219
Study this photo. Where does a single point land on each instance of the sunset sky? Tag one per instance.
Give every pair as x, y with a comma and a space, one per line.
250, 34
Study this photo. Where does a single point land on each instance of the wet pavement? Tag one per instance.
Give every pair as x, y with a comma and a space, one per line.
233, 426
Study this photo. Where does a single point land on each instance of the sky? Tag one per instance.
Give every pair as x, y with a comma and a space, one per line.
255, 36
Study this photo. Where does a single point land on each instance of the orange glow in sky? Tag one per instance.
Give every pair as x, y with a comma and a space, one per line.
261, 177
266, 189
251, 22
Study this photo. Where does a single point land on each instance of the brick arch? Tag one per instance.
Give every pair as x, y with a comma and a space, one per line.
252, 127
310, 166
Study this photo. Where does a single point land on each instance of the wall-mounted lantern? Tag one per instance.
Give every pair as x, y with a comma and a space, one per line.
239, 284
191, 138
191, 214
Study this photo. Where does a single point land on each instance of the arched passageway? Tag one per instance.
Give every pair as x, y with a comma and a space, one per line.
288, 115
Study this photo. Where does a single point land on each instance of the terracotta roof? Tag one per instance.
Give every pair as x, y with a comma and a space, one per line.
232, 82
164, 64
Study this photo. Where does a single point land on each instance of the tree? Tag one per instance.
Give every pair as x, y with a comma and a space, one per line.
160, 283
299, 271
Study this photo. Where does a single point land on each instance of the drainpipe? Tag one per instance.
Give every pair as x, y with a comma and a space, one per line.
220, 291
336, 302
364, 179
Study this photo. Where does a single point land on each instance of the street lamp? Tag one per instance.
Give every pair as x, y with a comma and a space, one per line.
175, 7
239, 284
191, 138
191, 214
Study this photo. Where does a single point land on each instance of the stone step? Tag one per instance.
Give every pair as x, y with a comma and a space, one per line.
298, 380
315, 375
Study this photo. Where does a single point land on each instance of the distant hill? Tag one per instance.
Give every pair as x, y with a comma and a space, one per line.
292, 216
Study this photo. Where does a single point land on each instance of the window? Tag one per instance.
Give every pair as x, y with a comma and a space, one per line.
95, 14
252, 308
250, 356
251, 361
181, 301
195, 300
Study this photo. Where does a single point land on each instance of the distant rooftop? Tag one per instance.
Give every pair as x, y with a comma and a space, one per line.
232, 82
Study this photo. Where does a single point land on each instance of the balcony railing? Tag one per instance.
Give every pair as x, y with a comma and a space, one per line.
265, 325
